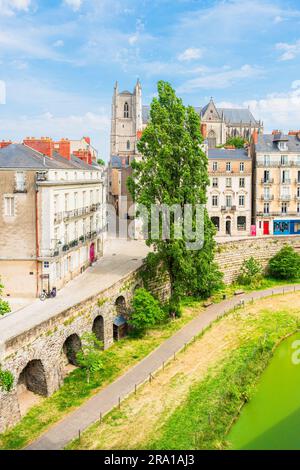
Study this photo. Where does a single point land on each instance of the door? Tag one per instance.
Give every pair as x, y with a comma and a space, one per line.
228, 227
92, 253
266, 228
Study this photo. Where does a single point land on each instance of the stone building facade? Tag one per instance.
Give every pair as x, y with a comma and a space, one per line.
229, 196
51, 220
276, 179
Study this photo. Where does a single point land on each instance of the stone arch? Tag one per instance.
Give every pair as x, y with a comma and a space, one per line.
121, 306
98, 328
33, 378
212, 139
71, 347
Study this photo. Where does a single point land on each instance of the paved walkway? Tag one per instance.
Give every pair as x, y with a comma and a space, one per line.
62, 433
120, 259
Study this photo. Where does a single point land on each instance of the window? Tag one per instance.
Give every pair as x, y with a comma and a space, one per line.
284, 208
282, 145
228, 201
241, 200
215, 201
9, 206
266, 160
228, 182
266, 176
242, 182
66, 202
228, 166
284, 159
46, 264
126, 110
242, 166
91, 197
285, 176
215, 166
215, 182
241, 223
20, 181
298, 208
298, 177
266, 208
75, 200
83, 199
267, 193
128, 144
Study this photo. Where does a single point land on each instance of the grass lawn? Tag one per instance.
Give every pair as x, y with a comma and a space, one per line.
120, 357
192, 403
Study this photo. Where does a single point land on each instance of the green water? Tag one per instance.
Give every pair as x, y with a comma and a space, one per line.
272, 418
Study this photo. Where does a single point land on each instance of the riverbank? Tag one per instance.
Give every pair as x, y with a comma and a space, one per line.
193, 402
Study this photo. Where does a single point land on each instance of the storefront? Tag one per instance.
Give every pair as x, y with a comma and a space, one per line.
286, 227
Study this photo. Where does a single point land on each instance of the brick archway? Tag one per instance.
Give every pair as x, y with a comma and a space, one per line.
33, 378
71, 347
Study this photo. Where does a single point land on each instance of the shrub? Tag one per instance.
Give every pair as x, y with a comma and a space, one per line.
6, 380
4, 306
251, 272
285, 264
146, 312
89, 357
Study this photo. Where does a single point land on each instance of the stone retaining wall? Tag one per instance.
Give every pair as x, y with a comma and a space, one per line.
231, 254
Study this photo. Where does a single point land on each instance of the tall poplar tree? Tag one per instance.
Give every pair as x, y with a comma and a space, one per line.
174, 170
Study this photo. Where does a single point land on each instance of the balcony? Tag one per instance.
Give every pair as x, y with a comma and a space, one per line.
297, 181
286, 181
228, 209
267, 180
267, 197
67, 215
278, 214
285, 197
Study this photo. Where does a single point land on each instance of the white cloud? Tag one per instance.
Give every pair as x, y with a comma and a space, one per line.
276, 110
224, 78
59, 43
190, 54
290, 51
74, 4
9, 7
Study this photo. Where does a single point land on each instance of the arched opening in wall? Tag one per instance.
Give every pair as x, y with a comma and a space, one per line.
228, 226
98, 328
241, 223
212, 140
71, 347
120, 326
126, 110
216, 222
31, 385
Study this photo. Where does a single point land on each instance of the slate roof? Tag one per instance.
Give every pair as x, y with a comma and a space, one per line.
231, 115
266, 143
228, 154
21, 156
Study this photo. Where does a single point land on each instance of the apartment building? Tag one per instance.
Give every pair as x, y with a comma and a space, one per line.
52, 219
229, 194
276, 178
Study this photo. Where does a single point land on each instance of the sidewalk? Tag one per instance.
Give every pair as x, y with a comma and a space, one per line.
62, 433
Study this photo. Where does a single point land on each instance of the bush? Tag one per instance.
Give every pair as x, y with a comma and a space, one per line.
6, 380
285, 264
146, 311
4, 306
251, 272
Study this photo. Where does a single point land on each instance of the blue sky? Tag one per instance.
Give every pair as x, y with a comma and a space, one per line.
59, 60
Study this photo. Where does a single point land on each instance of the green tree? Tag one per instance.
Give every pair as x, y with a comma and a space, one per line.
251, 272
4, 306
101, 162
90, 355
146, 311
237, 142
285, 264
173, 170
6, 380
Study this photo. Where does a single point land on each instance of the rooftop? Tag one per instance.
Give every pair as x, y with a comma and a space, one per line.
228, 154
269, 143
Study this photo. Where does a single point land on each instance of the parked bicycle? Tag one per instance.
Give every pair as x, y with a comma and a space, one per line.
48, 295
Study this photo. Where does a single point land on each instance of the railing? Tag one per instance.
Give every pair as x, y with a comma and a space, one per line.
285, 197
286, 181
269, 197
228, 208
67, 215
73, 244
278, 214
277, 164
267, 181
20, 188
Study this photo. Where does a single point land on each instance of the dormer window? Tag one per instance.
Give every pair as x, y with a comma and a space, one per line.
126, 110
282, 145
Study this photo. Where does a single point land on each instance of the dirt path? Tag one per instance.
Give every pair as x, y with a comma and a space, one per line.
142, 415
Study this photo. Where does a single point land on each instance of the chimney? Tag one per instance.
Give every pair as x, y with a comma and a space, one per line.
5, 143
64, 148
43, 145
84, 155
88, 140
290, 133
204, 130
275, 131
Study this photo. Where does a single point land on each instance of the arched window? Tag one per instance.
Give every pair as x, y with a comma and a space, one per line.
212, 139
126, 110
128, 144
